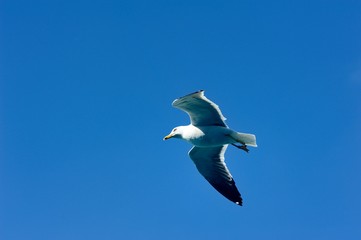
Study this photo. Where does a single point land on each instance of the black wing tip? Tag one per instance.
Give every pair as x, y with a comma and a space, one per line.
199, 91
239, 203
232, 194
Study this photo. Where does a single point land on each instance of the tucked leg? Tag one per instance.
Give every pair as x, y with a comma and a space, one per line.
243, 147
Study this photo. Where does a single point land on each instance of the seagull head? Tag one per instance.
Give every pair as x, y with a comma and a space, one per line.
177, 132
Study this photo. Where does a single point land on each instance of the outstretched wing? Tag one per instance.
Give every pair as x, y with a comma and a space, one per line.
201, 110
210, 163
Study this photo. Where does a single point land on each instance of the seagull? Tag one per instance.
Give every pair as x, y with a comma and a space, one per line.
210, 137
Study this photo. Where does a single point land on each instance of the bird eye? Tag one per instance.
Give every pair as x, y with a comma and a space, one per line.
174, 129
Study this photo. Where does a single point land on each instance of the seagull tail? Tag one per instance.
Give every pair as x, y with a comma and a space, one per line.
246, 138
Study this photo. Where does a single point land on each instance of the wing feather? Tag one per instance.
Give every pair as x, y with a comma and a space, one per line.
201, 110
210, 163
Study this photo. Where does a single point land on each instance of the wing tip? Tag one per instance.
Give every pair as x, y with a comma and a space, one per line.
196, 92
239, 202
174, 103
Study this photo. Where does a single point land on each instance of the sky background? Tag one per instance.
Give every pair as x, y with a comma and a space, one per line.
85, 99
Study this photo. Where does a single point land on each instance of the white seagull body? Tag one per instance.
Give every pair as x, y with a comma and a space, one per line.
210, 137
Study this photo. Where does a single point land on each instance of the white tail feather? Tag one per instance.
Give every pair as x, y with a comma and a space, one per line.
246, 138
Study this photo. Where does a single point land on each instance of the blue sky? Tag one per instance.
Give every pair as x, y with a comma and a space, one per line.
85, 100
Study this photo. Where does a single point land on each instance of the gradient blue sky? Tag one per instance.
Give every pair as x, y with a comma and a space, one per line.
85, 100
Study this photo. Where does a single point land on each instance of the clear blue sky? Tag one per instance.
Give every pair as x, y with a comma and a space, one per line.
85, 100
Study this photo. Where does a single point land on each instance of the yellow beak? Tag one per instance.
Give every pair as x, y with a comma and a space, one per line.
168, 136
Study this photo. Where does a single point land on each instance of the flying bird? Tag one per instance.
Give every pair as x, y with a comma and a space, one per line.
210, 137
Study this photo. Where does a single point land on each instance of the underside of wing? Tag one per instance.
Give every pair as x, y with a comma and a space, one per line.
210, 163
201, 110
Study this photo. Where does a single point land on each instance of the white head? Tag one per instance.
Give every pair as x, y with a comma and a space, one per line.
177, 132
